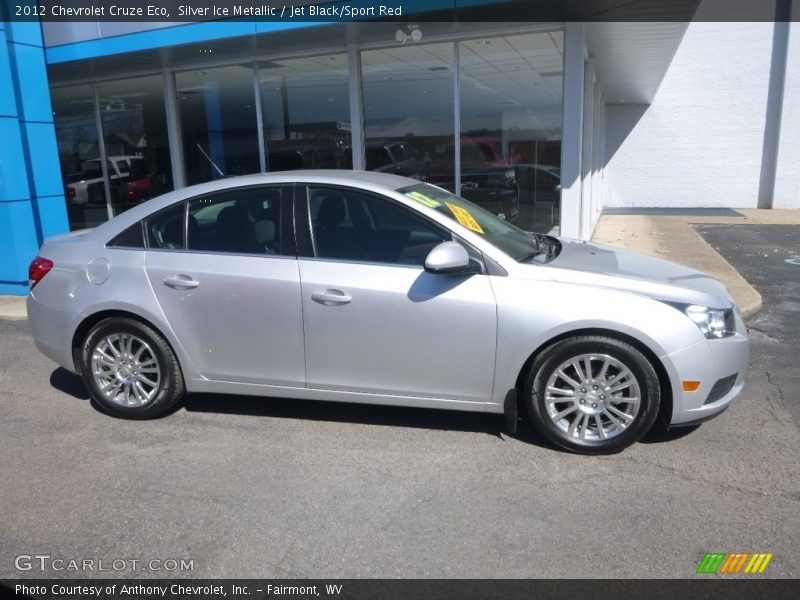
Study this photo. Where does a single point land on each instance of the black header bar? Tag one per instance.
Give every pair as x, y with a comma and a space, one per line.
706, 587
394, 10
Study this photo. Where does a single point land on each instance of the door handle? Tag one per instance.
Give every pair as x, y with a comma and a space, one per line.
331, 297
181, 282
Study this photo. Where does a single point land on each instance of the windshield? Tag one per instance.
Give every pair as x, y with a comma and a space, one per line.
511, 240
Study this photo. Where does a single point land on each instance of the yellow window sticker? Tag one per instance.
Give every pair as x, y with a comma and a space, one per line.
423, 199
462, 216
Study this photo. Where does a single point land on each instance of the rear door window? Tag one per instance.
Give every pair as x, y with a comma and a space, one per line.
165, 228
243, 221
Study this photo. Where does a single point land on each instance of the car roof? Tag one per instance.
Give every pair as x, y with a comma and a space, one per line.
329, 176
366, 179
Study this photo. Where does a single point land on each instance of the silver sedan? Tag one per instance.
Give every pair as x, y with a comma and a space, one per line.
373, 288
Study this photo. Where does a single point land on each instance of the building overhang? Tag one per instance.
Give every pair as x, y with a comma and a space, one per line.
631, 58
632, 42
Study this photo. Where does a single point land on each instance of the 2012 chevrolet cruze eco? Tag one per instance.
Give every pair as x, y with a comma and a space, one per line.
367, 287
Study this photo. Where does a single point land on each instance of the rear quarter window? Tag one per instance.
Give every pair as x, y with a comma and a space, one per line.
132, 237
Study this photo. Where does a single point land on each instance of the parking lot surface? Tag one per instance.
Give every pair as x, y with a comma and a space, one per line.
250, 487
769, 258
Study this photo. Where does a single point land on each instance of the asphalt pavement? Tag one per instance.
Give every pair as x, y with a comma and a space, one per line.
769, 258
261, 487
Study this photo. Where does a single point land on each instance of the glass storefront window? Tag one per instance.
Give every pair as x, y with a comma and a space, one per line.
79, 155
509, 93
134, 127
134, 130
511, 107
408, 112
218, 122
305, 105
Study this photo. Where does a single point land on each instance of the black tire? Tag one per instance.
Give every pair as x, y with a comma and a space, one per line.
170, 387
547, 364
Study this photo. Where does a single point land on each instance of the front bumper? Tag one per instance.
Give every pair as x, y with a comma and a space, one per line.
715, 364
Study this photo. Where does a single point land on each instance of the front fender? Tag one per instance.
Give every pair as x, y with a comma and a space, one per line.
531, 313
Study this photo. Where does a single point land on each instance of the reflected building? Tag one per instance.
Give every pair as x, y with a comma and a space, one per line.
480, 117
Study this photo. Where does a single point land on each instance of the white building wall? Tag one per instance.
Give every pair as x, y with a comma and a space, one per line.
700, 142
787, 179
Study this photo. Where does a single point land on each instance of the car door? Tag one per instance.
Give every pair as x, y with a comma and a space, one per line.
224, 270
375, 321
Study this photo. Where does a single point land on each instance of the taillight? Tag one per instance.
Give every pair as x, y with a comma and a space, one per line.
38, 269
70, 193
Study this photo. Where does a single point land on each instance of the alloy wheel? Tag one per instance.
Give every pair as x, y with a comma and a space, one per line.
592, 397
126, 370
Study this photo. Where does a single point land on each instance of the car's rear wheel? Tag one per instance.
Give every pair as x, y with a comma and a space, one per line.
592, 394
130, 370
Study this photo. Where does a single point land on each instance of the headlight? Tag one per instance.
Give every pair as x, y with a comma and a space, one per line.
714, 323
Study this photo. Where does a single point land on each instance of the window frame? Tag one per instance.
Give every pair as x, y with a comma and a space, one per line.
288, 245
305, 239
146, 229
140, 223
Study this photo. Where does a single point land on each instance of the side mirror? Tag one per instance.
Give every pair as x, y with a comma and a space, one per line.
450, 258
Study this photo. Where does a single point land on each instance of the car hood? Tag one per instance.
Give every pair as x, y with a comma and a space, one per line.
609, 267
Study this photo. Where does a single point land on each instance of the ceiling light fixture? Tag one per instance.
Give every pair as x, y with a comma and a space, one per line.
410, 31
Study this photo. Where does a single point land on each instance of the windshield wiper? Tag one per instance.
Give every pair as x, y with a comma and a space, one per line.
532, 255
543, 246
537, 240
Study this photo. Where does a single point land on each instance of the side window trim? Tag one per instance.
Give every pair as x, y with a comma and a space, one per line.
303, 225
285, 248
302, 222
140, 223
288, 244
288, 235
146, 229
474, 254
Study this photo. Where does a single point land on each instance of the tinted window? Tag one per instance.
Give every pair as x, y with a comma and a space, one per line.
407, 152
472, 154
246, 221
286, 161
377, 158
122, 167
165, 228
92, 170
546, 181
139, 169
132, 237
350, 225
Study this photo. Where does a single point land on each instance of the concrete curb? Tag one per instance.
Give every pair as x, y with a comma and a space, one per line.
746, 296
13, 308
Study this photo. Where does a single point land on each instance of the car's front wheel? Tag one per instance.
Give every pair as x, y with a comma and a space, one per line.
592, 394
130, 370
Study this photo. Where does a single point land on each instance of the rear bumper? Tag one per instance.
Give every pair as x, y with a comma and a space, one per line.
720, 367
52, 329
